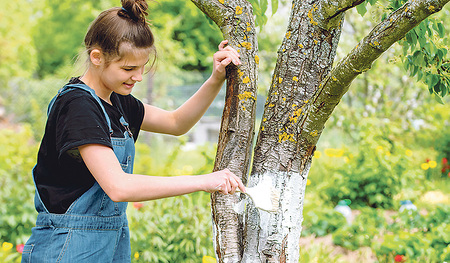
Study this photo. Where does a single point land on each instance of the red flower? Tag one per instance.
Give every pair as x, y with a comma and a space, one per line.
427, 160
444, 161
137, 205
19, 248
399, 258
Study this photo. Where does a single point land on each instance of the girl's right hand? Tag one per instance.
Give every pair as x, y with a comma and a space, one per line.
223, 181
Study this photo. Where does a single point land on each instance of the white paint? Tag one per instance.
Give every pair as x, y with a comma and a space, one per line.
285, 224
264, 195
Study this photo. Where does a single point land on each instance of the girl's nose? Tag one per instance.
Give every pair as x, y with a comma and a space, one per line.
137, 77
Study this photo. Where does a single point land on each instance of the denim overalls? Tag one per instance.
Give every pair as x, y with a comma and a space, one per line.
94, 228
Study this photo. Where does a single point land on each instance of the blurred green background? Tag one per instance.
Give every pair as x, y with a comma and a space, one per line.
388, 141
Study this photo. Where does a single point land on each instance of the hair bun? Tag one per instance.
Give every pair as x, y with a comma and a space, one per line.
134, 9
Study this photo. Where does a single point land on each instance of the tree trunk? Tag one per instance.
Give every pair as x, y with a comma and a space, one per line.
235, 20
282, 152
305, 90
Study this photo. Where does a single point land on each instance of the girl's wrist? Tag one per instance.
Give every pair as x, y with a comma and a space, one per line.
215, 81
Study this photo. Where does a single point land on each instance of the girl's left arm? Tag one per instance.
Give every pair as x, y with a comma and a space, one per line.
181, 120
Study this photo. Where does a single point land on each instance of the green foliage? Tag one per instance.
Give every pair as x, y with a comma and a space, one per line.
172, 230
429, 61
320, 220
28, 100
59, 33
17, 159
424, 50
318, 253
363, 231
184, 35
443, 149
362, 8
373, 175
260, 9
17, 52
8, 253
419, 238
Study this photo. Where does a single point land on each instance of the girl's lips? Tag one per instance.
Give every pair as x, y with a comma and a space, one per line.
130, 86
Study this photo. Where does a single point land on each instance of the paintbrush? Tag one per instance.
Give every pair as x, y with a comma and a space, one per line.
264, 195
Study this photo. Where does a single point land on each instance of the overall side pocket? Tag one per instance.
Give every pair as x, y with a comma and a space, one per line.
26, 253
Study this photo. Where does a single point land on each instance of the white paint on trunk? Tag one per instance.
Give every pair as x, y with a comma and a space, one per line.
273, 237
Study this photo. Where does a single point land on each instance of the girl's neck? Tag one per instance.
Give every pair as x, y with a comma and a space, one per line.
91, 79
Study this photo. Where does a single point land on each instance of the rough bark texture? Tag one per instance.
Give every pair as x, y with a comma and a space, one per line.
303, 94
302, 97
304, 59
235, 20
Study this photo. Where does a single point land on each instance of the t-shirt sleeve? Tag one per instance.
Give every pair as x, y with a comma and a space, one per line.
80, 121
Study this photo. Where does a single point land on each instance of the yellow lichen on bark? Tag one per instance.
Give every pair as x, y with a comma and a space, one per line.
257, 59
295, 78
246, 80
286, 137
240, 73
238, 10
310, 15
246, 95
288, 34
247, 45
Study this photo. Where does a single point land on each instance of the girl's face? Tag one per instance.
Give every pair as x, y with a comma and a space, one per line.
120, 75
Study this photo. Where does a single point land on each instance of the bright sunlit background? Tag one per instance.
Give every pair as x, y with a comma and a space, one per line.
387, 142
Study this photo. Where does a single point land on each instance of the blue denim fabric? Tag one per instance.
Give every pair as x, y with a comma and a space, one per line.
94, 228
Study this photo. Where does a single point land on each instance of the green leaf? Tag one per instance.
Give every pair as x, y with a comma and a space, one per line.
441, 30
419, 75
361, 9
433, 80
419, 59
274, 6
438, 98
264, 4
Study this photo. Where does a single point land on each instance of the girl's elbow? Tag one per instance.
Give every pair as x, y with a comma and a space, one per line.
180, 132
117, 195
117, 192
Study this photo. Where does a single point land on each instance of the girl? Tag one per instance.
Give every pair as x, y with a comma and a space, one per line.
83, 174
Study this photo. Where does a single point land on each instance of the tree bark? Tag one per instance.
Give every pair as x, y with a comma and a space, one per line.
305, 57
235, 20
303, 94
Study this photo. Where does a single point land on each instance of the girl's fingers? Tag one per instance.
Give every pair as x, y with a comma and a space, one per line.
222, 44
229, 48
222, 55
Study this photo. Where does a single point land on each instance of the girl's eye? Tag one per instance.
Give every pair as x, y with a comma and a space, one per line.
128, 69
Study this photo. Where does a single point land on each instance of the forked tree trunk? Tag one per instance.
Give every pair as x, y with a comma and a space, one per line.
305, 90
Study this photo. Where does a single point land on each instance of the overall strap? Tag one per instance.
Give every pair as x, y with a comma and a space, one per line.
70, 87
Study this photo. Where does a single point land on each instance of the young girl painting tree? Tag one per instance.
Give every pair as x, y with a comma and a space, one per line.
83, 174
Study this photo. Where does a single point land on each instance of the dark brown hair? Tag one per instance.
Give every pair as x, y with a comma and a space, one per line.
118, 25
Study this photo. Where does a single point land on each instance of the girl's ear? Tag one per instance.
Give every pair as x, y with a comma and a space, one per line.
96, 57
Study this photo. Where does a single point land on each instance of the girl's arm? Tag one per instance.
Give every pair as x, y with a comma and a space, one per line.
181, 120
123, 187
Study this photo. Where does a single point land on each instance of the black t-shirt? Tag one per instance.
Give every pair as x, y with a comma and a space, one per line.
77, 119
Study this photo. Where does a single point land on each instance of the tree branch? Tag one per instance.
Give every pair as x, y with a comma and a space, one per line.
328, 13
360, 59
